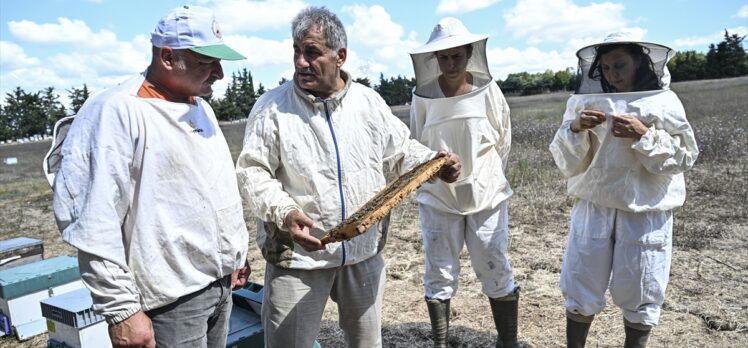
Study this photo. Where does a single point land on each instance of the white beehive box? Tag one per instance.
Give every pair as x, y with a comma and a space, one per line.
24, 286
71, 322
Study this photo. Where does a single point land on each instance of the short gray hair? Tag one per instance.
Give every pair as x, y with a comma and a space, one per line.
323, 19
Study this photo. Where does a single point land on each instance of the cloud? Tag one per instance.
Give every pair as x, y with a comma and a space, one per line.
33, 79
358, 66
13, 56
462, 6
704, 40
505, 61
236, 16
117, 58
65, 31
742, 12
262, 52
378, 37
562, 21
92, 54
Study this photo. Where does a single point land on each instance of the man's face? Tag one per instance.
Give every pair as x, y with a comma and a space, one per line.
317, 66
194, 74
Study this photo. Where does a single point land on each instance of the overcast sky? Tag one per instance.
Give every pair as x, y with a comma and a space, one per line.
65, 43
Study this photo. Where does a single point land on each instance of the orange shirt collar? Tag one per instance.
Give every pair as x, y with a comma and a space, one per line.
149, 90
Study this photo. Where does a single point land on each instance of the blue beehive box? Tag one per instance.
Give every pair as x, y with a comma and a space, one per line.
24, 286
245, 327
72, 323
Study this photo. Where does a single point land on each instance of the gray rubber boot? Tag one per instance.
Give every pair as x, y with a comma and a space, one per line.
577, 329
505, 313
439, 315
636, 334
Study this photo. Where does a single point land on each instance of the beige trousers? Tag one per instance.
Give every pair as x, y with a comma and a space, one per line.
295, 299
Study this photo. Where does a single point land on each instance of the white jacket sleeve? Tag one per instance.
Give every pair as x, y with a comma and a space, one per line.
499, 117
256, 168
91, 200
111, 287
571, 151
668, 151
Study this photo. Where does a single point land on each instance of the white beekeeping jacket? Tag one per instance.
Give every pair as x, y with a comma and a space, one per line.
146, 187
622, 173
326, 158
475, 125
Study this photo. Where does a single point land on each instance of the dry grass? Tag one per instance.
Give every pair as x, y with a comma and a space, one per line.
706, 299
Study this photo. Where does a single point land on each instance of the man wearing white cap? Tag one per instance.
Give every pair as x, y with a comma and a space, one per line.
624, 144
457, 106
147, 194
315, 150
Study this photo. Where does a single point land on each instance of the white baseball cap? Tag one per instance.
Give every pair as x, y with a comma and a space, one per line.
194, 28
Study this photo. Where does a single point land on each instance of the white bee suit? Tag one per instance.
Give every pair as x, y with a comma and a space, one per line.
636, 176
473, 209
620, 231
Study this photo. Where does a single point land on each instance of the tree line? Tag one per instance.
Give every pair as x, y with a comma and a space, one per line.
34, 113
725, 59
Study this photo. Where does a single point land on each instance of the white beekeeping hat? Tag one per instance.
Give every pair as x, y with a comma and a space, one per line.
658, 54
449, 33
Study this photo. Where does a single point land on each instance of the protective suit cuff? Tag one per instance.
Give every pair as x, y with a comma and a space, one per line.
576, 138
120, 316
646, 142
280, 220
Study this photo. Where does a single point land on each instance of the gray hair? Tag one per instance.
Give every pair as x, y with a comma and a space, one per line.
323, 19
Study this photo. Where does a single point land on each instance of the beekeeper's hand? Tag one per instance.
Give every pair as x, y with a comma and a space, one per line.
240, 277
450, 171
587, 119
299, 225
626, 126
135, 331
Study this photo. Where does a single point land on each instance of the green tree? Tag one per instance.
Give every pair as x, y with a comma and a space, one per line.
282, 81
78, 96
563, 80
363, 80
687, 65
395, 90
52, 107
238, 99
525, 83
245, 93
24, 114
516, 83
5, 132
260, 90
727, 58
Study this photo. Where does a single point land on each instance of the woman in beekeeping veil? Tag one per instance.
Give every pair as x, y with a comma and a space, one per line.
457, 106
624, 144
